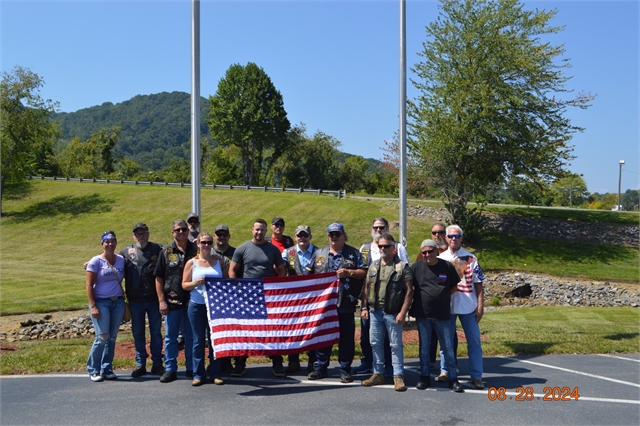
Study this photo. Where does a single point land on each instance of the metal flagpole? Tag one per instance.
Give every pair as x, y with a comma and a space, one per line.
195, 107
403, 124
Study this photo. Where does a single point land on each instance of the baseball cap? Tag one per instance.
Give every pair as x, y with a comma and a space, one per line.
429, 243
193, 216
335, 227
303, 228
140, 225
276, 220
222, 227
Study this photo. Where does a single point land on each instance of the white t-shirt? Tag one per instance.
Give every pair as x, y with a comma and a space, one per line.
465, 300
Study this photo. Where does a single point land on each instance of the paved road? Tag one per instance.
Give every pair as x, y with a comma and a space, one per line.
609, 389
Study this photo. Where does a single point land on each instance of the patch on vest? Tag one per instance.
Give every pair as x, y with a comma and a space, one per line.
320, 261
173, 257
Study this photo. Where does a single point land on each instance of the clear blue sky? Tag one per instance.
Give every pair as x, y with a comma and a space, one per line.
335, 63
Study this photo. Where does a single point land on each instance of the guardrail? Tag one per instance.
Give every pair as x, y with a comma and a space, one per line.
338, 193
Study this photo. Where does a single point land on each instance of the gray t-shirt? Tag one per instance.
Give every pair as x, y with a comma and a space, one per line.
257, 260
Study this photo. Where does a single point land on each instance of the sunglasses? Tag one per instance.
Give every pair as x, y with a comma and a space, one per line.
379, 227
385, 246
206, 243
426, 252
140, 234
454, 236
303, 235
222, 235
437, 232
181, 230
279, 225
335, 234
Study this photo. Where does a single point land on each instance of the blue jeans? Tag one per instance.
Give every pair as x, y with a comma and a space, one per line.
383, 325
444, 330
138, 311
172, 325
106, 327
200, 330
474, 347
365, 345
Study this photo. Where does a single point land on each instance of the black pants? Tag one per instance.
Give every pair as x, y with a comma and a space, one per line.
346, 349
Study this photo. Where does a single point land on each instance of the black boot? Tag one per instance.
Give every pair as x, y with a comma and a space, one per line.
456, 386
424, 382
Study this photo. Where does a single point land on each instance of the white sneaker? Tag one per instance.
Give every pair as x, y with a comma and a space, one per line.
96, 377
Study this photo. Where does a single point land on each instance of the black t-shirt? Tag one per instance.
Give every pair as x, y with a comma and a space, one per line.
432, 289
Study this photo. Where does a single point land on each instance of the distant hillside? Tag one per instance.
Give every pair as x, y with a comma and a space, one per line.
156, 129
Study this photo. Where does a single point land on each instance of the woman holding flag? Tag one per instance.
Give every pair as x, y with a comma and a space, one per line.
193, 278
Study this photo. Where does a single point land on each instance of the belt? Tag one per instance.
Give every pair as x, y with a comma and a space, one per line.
114, 298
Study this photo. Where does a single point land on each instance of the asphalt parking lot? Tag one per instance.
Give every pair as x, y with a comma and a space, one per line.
600, 389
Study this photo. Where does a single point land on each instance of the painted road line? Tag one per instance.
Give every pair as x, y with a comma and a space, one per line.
619, 357
595, 376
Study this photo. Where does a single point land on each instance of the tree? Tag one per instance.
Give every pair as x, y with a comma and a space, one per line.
248, 111
92, 158
489, 106
352, 177
26, 128
569, 190
630, 200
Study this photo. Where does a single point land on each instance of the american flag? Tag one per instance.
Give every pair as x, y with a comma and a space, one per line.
272, 316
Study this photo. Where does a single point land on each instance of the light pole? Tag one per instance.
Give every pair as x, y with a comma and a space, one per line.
618, 206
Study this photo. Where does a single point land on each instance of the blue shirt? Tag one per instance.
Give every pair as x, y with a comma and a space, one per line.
304, 257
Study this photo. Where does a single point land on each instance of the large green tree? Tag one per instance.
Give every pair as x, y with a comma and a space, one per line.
492, 100
26, 128
92, 158
569, 190
248, 111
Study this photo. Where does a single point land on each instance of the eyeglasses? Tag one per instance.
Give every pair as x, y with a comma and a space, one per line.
140, 234
379, 227
335, 234
303, 235
222, 235
454, 236
385, 246
181, 230
437, 232
206, 243
426, 252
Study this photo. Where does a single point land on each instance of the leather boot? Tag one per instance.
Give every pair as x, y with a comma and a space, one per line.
376, 379
398, 384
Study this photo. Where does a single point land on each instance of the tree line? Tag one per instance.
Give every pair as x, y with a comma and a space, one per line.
488, 125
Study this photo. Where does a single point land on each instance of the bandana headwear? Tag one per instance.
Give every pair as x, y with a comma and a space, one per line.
108, 236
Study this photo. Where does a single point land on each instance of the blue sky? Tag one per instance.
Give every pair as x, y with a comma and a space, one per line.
335, 62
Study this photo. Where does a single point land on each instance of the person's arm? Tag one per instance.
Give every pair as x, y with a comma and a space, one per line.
408, 298
480, 293
281, 270
187, 274
90, 278
164, 309
235, 270
364, 310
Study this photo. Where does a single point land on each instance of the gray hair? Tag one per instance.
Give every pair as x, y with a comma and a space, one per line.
456, 227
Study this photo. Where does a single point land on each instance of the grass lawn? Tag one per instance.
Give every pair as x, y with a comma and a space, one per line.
518, 331
50, 228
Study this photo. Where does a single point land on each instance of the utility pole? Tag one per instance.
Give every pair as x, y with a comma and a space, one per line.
618, 206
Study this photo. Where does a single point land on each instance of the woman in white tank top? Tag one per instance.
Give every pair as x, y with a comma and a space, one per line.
193, 279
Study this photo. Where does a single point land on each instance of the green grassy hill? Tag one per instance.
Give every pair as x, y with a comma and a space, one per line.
49, 229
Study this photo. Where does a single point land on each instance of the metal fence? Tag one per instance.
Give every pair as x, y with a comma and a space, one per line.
339, 193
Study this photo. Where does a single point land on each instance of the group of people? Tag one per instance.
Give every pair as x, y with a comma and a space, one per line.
442, 285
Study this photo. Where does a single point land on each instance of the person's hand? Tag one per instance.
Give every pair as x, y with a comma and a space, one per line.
478, 313
401, 318
364, 314
164, 309
95, 312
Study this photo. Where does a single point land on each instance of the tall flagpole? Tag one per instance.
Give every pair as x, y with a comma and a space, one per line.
403, 124
195, 107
